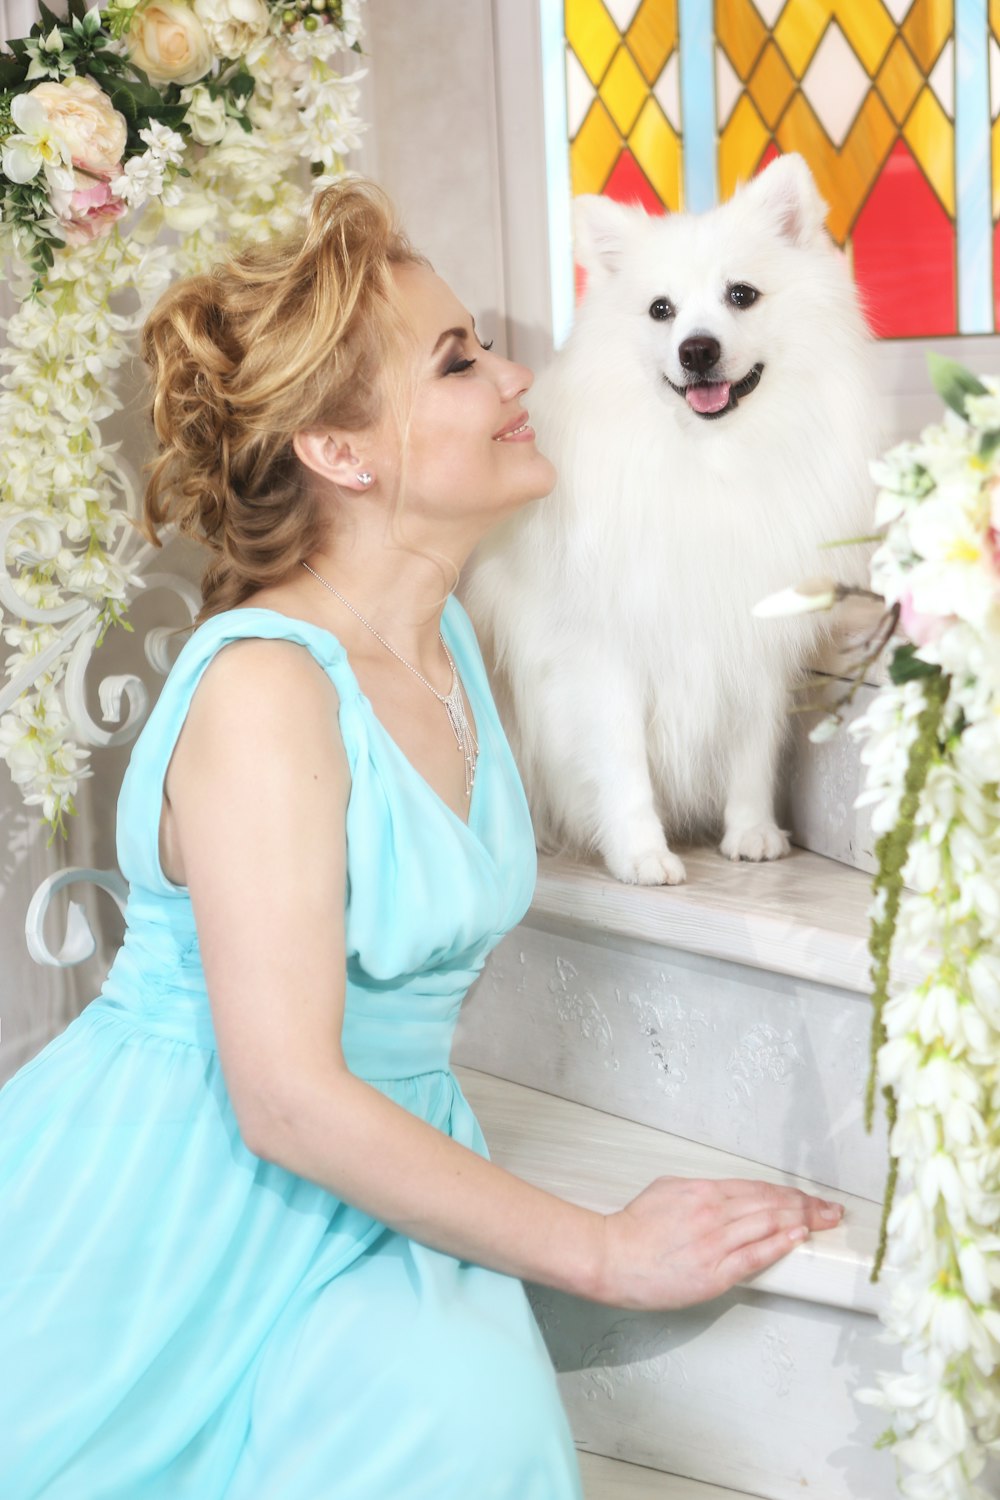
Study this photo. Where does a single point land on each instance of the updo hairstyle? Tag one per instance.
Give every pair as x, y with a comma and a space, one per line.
281, 338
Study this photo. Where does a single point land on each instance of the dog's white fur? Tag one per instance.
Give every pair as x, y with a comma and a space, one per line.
639, 694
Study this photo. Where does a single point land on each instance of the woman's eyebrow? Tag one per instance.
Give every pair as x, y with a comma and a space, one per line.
458, 333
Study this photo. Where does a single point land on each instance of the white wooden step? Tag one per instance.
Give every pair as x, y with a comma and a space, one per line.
601, 1162
733, 1010
612, 1479
803, 915
752, 1391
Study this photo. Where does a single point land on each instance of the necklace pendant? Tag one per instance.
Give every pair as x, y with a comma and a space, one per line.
463, 732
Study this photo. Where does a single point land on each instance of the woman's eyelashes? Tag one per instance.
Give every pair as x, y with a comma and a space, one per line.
459, 365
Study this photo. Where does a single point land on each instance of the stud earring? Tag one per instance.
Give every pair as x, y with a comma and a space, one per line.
364, 477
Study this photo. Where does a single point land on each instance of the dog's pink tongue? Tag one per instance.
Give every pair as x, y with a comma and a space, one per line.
708, 397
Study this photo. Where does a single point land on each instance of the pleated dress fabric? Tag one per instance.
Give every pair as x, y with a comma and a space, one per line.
181, 1318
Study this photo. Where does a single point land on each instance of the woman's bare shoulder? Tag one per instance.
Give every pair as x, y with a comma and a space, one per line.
260, 701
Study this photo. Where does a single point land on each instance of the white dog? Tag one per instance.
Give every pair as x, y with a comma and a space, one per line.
711, 417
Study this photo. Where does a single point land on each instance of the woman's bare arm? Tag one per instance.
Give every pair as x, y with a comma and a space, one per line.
258, 786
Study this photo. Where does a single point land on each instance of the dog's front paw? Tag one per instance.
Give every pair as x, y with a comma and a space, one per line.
651, 867
759, 841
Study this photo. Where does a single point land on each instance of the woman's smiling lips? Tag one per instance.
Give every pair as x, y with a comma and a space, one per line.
516, 431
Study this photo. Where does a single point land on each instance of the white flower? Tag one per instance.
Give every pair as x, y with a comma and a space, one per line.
205, 115
826, 729
37, 144
984, 411
811, 595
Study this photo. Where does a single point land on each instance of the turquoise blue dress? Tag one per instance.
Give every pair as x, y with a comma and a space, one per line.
181, 1318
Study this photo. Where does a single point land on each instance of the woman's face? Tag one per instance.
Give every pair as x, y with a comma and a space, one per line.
464, 457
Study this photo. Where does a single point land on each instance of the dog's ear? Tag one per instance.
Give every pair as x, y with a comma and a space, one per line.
601, 229
786, 190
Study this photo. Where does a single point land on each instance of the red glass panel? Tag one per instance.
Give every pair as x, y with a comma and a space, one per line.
628, 183
904, 253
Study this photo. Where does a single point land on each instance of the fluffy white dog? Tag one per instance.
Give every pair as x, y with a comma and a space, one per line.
711, 417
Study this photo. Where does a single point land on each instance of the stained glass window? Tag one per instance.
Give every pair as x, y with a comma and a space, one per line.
673, 102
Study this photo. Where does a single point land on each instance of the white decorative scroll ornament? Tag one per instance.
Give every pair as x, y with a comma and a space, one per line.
134, 146
79, 942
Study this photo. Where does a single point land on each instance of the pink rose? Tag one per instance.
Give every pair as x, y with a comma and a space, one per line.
993, 532
89, 211
920, 629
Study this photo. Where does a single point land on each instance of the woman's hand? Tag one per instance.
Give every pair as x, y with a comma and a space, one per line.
685, 1240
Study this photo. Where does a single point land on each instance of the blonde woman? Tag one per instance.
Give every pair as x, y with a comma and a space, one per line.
252, 1246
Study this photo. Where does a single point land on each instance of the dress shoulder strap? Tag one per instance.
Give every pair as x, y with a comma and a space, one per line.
141, 795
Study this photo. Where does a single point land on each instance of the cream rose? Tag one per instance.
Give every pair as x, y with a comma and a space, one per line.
167, 41
233, 25
81, 116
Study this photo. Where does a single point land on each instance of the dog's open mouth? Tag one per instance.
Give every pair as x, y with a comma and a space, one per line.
713, 398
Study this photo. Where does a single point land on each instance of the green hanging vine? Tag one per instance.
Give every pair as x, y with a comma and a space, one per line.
891, 852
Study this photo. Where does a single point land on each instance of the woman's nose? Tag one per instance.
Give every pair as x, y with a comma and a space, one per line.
516, 379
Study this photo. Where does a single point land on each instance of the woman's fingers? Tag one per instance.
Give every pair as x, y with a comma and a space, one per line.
755, 1228
752, 1194
748, 1259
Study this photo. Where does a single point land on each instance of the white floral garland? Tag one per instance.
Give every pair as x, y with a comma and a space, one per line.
232, 102
931, 745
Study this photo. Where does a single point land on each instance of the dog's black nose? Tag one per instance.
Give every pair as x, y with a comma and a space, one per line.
699, 353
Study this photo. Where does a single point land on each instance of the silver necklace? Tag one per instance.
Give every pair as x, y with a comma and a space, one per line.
452, 700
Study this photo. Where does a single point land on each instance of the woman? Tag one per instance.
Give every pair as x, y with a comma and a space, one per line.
252, 1245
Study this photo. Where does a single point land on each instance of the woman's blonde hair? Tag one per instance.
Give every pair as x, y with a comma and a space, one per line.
282, 337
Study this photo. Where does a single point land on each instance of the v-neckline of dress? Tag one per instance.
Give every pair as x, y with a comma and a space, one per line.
466, 823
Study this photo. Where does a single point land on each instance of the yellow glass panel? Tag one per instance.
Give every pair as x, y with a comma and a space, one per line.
995, 17
594, 151
623, 91
592, 34
741, 32
658, 152
868, 27
930, 135
843, 177
652, 36
899, 80
927, 27
771, 84
741, 146
800, 29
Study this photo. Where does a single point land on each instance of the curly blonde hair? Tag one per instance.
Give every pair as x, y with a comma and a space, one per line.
283, 337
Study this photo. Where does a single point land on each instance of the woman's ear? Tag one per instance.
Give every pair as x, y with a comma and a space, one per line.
332, 457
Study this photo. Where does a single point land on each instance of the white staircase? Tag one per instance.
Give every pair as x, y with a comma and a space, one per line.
610, 1479
718, 1028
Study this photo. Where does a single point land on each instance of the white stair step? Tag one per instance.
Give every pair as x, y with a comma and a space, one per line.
803, 915
601, 1162
752, 1391
733, 1010
612, 1479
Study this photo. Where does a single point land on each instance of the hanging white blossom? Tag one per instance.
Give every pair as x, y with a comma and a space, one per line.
240, 111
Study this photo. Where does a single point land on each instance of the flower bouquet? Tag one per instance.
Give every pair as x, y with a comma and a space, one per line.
931, 746
136, 141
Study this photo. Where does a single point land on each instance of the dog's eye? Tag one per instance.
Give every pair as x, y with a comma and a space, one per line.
742, 295
661, 309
